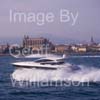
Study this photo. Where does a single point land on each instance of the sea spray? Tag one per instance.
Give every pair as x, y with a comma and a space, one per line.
27, 77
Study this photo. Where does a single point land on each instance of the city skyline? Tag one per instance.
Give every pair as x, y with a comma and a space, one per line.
87, 24
59, 42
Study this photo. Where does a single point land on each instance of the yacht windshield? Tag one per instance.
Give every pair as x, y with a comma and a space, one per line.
43, 60
60, 60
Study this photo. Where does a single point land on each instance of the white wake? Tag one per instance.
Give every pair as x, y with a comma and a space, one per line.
84, 74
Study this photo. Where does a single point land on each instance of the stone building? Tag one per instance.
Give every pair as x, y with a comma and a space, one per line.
37, 43
62, 48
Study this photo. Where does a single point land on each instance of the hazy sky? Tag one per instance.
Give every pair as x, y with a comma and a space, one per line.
87, 24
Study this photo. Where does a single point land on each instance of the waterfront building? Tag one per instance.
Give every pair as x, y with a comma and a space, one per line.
79, 48
82, 49
94, 48
4, 49
37, 43
62, 48
74, 48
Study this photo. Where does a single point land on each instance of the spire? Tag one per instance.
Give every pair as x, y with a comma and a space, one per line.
92, 40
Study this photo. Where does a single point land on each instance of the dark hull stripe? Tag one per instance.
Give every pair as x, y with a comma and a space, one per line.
46, 68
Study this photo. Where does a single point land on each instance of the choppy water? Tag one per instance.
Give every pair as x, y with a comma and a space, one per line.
89, 71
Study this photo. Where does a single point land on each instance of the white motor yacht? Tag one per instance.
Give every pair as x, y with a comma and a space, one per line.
52, 62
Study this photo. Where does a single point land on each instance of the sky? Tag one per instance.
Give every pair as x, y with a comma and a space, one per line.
87, 23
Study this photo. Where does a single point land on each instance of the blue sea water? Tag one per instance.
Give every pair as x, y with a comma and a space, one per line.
91, 92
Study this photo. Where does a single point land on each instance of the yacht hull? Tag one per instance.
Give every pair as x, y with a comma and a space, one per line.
45, 68
36, 66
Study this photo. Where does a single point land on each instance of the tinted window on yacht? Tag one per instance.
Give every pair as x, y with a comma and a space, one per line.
60, 60
43, 60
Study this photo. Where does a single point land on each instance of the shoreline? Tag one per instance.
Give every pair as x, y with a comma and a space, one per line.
4, 55
69, 54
